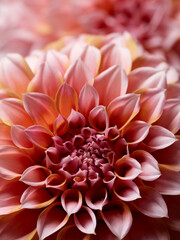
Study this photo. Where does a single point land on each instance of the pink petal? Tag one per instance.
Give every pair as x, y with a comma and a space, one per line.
12, 112
76, 121
98, 118
15, 73
19, 137
39, 135
67, 232
34, 197
56, 181
35, 175
47, 80
13, 162
113, 54
159, 138
151, 203
149, 165
41, 108
91, 56
71, 201
118, 218
5, 136
85, 220
151, 105
60, 125
51, 220
170, 117
123, 109
77, 75
126, 190
146, 77
135, 131
127, 168
7, 93
173, 90
110, 84
88, 99
168, 183
66, 94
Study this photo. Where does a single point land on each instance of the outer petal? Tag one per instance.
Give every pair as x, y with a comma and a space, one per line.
85, 220
123, 109
12, 162
19, 137
5, 136
118, 218
88, 99
41, 108
110, 84
12, 112
66, 94
151, 203
146, 77
77, 75
51, 220
173, 90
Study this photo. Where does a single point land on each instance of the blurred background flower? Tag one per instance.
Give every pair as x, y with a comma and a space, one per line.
89, 142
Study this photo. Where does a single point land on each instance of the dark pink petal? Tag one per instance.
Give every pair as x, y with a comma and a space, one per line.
39, 135
67, 232
149, 165
5, 136
170, 117
151, 203
159, 138
85, 220
91, 56
66, 94
51, 220
118, 218
146, 77
35, 175
96, 198
147, 228
126, 190
41, 108
71, 201
57, 181
76, 121
60, 125
123, 109
112, 133
12, 112
34, 197
169, 181
173, 90
151, 105
19, 137
13, 162
20, 225
113, 54
135, 131
127, 168
77, 75
88, 99
98, 118
174, 234
110, 84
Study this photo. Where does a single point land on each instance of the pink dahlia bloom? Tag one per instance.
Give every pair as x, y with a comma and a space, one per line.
89, 143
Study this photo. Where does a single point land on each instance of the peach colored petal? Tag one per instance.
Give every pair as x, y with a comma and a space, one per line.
60, 125
19, 137
151, 203
41, 108
51, 220
88, 99
151, 105
118, 218
66, 94
40, 136
98, 118
15, 73
110, 84
85, 220
77, 75
34, 197
19, 116
123, 109
35, 175
71, 201
146, 77
13, 162
7, 93
5, 136
170, 117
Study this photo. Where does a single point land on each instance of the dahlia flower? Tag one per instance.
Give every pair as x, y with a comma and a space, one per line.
89, 143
